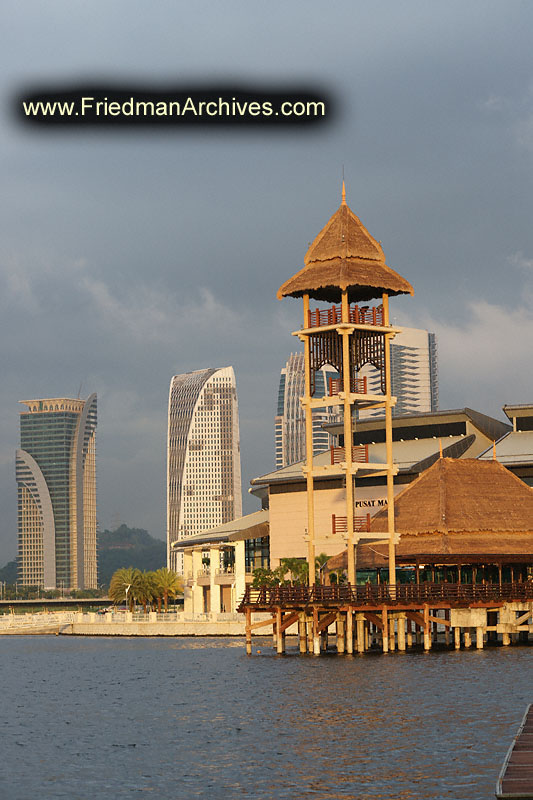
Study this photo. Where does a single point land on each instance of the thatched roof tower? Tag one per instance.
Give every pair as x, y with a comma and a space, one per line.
344, 256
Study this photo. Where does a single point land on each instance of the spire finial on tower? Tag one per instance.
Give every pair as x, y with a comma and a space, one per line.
343, 193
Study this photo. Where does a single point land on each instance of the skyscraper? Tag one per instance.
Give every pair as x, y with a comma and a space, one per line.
414, 375
203, 456
56, 477
289, 423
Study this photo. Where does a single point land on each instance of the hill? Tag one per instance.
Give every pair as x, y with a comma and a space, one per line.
128, 547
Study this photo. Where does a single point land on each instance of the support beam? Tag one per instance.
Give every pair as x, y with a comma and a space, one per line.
280, 635
309, 451
316, 633
302, 633
385, 630
457, 638
401, 632
341, 642
427, 629
349, 632
360, 626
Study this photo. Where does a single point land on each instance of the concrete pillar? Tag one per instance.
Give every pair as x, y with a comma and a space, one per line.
240, 573
196, 590
479, 638
152, 616
360, 626
310, 640
457, 638
468, 637
340, 634
316, 635
401, 632
349, 632
214, 588
409, 633
506, 639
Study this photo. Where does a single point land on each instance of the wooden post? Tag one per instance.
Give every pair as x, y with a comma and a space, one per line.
348, 438
349, 632
388, 443
280, 646
457, 638
248, 632
392, 637
302, 634
479, 638
468, 637
309, 451
401, 632
506, 639
385, 631
409, 633
427, 628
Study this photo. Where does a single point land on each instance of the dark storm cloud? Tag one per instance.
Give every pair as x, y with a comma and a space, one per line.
127, 259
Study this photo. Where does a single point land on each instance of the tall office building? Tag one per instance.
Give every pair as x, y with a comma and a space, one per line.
414, 375
203, 456
289, 423
56, 477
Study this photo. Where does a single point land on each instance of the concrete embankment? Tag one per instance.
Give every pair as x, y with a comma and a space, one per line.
127, 624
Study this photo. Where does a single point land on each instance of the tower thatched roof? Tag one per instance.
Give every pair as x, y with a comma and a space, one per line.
345, 256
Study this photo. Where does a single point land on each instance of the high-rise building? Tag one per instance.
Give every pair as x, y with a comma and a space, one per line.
203, 456
289, 423
56, 477
414, 376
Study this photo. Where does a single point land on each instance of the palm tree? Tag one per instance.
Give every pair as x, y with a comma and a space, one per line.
146, 591
168, 584
320, 562
124, 584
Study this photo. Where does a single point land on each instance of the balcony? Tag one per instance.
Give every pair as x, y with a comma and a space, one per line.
335, 385
359, 454
340, 524
358, 315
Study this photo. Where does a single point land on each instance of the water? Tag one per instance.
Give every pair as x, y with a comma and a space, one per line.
127, 718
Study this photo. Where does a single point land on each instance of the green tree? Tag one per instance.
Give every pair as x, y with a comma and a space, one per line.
167, 584
124, 585
145, 591
298, 570
320, 562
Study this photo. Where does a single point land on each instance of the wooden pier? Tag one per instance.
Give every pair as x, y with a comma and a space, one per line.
516, 776
392, 617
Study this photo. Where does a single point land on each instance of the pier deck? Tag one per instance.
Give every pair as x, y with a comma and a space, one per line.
516, 776
393, 616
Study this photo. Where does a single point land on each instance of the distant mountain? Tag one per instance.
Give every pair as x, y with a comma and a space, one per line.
9, 572
128, 547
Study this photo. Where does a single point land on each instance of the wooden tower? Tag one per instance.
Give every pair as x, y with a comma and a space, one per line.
346, 266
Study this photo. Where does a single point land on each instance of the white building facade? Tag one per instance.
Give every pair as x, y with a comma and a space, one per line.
203, 455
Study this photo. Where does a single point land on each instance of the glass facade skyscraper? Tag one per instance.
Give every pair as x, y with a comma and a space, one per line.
289, 423
56, 477
203, 455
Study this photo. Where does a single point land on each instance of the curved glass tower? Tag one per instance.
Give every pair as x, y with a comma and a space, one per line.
56, 477
203, 455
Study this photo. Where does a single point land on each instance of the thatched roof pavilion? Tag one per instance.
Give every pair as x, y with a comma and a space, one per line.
459, 511
345, 256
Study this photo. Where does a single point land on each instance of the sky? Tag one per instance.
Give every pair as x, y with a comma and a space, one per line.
129, 257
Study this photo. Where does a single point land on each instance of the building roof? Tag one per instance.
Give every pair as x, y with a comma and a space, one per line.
461, 495
490, 427
251, 526
519, 410
345, 256
513, 449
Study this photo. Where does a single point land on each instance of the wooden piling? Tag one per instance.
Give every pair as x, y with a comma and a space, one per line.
349, 632
401, 632
457, 638
360, 627
302, 634
340, 633
427, 628
385, 630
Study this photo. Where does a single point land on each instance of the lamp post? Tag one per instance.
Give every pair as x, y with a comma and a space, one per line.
128, 587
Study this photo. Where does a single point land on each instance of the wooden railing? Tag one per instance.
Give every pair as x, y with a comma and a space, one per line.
335, 385
454, 594
340, 524
359, 454
358, 315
